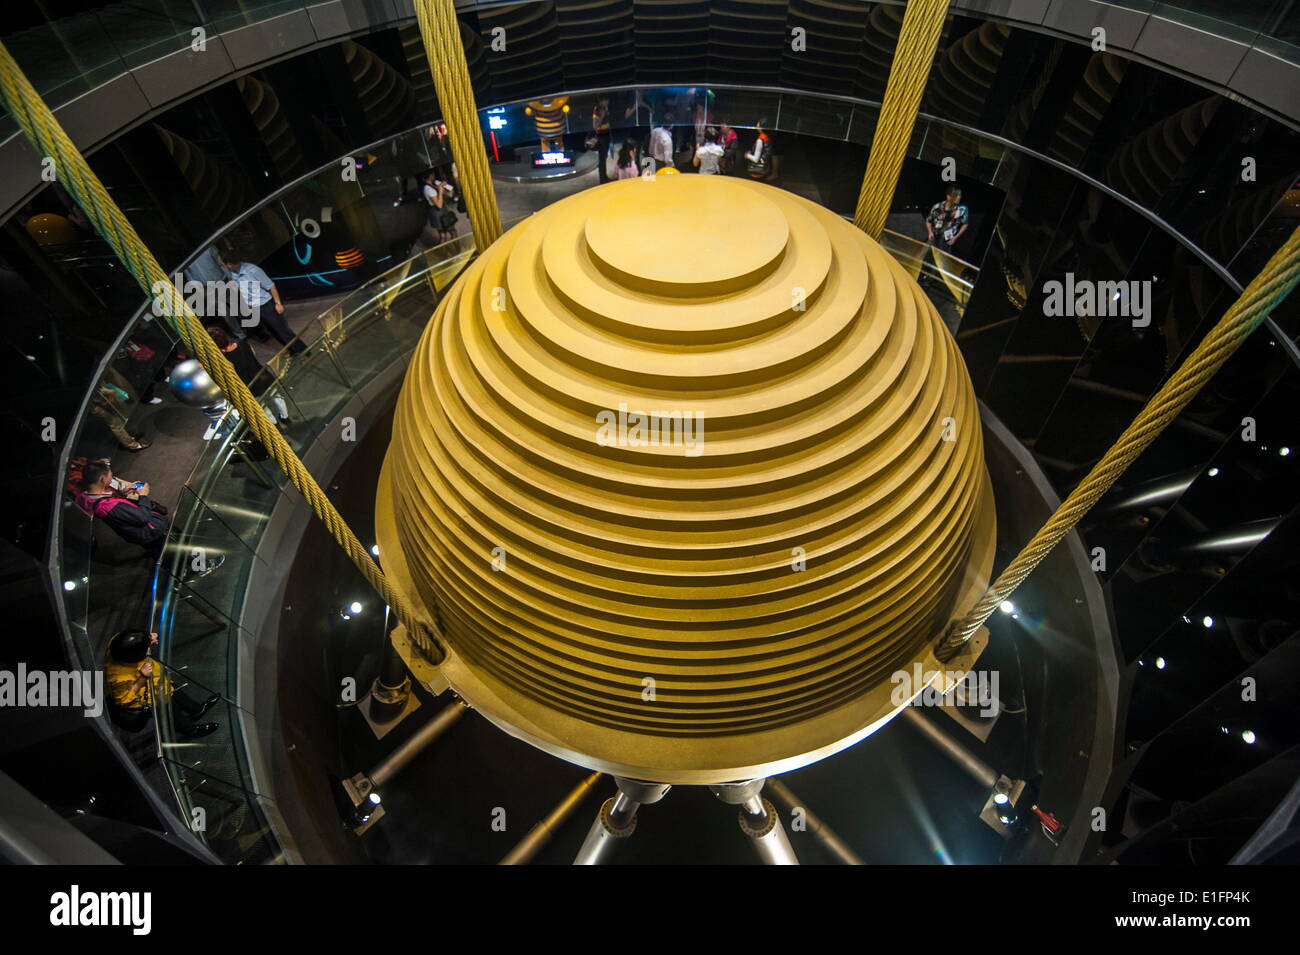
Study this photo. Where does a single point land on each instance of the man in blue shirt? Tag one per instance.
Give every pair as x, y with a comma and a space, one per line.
257, 290
946, 221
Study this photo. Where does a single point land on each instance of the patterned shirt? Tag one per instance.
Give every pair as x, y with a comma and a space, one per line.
946, 222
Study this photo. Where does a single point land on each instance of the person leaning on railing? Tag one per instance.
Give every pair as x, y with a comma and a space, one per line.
136, 683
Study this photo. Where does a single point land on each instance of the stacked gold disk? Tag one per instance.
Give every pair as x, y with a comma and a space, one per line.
729, 582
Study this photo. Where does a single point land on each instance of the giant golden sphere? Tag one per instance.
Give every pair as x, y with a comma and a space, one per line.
686, 469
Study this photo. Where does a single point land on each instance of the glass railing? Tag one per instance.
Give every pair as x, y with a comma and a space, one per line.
1271, 25
212, 549
70, 55
332, 232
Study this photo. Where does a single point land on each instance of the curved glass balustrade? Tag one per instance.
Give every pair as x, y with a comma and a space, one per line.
1271, 25
70, 55
222, 511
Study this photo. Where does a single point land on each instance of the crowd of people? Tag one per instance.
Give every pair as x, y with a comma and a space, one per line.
694, 140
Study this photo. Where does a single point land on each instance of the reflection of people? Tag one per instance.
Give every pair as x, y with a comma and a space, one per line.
247, 367
627, 161
709, 155
661, 143
438, 196
102, 407
119, 486
407, 164
759, 158
702, 119
946, 221
439, 144
730, 143
257, 289
600, 124
130, 513
136, 682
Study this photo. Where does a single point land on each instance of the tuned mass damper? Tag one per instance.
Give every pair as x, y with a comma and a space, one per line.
689, 468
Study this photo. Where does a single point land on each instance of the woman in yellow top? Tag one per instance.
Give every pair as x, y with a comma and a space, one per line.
136, 682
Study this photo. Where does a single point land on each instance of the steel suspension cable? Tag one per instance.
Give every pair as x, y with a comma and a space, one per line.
1259, 298
913, 55
440, 31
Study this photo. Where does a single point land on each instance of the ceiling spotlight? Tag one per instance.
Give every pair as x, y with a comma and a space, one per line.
374, 549
1160, 663
355, 606
1007, 607
1207, 622
1001, 799
1284, 451
69, 585
1248, 736
1213, 472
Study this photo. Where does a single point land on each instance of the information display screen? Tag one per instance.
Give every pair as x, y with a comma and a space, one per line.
552, 159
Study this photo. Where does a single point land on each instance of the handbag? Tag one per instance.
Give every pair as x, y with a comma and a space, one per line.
140, 352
